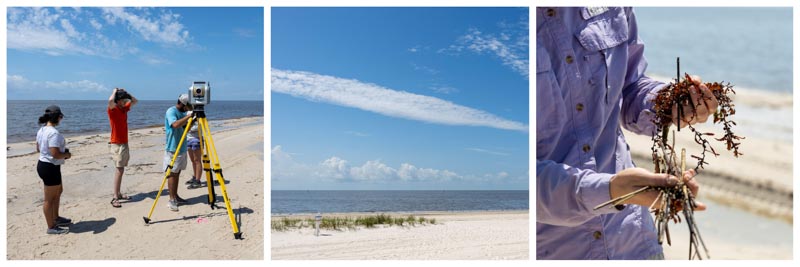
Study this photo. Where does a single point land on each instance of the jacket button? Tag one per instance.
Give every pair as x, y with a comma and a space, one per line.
570, 59
586, 148
551, 12
579, 107
597, 234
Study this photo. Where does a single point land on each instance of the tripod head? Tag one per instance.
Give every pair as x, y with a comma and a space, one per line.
198, 111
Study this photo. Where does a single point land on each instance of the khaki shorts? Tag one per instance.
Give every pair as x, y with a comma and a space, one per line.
120, 154
180, 161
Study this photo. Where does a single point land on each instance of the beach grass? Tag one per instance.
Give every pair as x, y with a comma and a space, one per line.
350, 223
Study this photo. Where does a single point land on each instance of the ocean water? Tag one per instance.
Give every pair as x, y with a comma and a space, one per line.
89, 116
293, 201
750, 47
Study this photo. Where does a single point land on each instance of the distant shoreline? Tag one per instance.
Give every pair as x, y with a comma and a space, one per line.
26, 147
68, 134
424, 212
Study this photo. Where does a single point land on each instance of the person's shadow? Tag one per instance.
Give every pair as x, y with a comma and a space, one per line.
92, 226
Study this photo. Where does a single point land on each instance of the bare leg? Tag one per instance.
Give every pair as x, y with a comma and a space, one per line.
58, 201
50, 196
197, 166
172, 184
118, 181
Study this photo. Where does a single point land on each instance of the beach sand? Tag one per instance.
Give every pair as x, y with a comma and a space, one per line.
455, 236
750, 198
100, 231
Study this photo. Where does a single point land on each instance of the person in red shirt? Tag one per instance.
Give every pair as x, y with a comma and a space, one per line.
119, 103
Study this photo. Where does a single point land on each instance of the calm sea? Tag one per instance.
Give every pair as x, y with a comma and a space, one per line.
89, 116
291, 201
749, 47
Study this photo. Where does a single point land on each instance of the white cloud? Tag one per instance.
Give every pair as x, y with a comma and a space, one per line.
246, 33
35, 29
487, 151
354, 133
340, 170
510, 46
426, 69
78, 31
163, 28
372, 170
96, 25
20, 83
443, 89
70, 30
381, 100
333, 168
408, 172
154, 60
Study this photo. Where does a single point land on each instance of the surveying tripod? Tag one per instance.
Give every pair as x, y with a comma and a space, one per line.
199, 116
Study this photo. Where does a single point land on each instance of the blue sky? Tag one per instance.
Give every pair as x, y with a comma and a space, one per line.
399, 98
155, 53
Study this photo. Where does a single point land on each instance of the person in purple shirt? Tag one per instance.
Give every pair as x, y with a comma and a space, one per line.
590, 83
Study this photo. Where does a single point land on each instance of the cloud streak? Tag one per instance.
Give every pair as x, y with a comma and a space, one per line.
20, 83
480, 150
385, 101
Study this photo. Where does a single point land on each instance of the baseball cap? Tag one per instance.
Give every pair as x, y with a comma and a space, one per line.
184, 99
53, 109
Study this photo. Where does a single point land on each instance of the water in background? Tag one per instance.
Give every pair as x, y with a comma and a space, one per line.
89, 116
292, 201
749, 46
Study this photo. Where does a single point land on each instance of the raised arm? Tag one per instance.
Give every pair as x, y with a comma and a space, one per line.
133, 99
111, 103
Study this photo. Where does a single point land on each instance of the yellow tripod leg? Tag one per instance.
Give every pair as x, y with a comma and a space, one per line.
218, 170
168, 171
207, 169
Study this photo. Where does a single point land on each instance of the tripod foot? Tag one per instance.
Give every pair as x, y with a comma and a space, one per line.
237, 235
146, 220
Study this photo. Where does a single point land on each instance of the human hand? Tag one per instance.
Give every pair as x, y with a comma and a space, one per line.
704, 101
632, 179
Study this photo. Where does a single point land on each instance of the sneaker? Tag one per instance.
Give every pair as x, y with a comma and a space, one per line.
195, 184
173, 205
182, 201
57, 231
190, 181
61, 221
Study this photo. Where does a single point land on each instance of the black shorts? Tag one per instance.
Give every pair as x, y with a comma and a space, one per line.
49, 172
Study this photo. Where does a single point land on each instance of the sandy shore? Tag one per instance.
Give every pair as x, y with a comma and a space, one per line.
750, 198
455, 236
734, 234
101, 231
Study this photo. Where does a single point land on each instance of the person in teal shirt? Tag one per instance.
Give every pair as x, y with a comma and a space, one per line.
174, 123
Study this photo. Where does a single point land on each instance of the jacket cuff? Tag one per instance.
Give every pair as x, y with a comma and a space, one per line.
595, 190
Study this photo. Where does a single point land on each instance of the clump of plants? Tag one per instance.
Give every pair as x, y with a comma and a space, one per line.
351, 222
